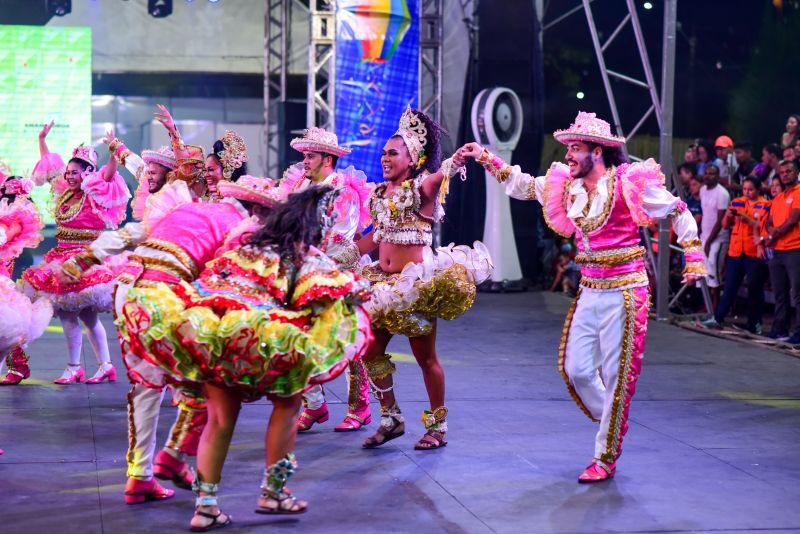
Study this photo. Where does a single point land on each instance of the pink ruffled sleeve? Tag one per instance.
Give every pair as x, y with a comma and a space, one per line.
551, 191
109, 198
20, 226
50, 167
648, 199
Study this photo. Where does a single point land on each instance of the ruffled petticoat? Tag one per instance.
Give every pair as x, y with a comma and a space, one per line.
185, 335
93, 290
441, 285
21, 321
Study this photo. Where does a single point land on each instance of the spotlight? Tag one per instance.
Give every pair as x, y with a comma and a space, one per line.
213, 1
159, 8
59, 8
580, 95
648, 5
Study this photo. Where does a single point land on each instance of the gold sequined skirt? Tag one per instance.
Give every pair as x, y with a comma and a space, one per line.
441, 286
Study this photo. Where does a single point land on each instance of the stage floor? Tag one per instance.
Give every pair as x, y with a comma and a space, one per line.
713, 444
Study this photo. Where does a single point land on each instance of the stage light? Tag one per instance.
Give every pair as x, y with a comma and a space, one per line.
648, 5
159, 8
59, 8
580, 95
213, 1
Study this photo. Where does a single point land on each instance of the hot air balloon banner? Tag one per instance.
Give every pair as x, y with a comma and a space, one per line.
379, 26
377, 72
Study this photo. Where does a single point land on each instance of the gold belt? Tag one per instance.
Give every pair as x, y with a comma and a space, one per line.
636, 278
610, 257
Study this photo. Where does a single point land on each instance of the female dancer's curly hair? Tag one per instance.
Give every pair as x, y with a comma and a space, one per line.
293, 225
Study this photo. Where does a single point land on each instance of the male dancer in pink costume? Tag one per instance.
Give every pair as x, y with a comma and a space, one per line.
321, 151
602, 201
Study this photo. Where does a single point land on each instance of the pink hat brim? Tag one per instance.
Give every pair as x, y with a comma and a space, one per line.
269, 198
303, 145
565, 137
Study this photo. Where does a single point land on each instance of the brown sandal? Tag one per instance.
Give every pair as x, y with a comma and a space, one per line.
215, 522
285, 503
436, 427
384, 434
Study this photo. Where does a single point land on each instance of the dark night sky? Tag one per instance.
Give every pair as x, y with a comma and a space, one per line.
714, 44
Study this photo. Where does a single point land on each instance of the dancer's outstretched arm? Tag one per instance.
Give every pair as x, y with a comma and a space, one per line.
110, 168
43, 149
518, 184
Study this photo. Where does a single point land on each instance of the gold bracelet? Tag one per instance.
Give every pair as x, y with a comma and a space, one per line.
112, 146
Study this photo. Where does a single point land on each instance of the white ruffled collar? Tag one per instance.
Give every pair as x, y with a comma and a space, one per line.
580, 197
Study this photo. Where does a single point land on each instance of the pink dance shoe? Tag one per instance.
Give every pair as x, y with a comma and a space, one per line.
106, 371
354, 420
138, 491
598, 471
167, 467
18, 369
75, 375
308, 417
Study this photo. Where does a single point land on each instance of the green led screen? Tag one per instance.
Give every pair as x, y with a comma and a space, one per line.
45, 74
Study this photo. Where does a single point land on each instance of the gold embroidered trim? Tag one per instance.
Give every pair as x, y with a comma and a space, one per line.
691, 244
589, 225
76, 235
175, 250
635, 278
181, 429
546, 196
618, 405
73, 209
695, 267
562, 354
380, 367
611, 257
126, 236
164, 266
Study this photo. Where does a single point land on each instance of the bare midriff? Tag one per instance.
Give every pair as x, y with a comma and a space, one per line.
394, 257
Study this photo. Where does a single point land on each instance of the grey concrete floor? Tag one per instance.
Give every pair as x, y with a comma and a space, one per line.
713, 444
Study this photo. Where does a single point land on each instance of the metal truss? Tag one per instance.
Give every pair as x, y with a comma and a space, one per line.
430, 58
321, 107
276, 38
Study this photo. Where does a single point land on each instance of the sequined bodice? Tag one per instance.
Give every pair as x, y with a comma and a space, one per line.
397, 217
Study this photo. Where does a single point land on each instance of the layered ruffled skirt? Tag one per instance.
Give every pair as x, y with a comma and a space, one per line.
21, 321
93, 290
178, 335
441, 285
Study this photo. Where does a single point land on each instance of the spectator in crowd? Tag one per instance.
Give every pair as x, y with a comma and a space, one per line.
768, 168
693, 203
690, 156
705, 155
714, 200
685, 173
797, 150
775, 187
567, 273
725, 161
790, 137
743, 152
746, 255
782, 231
788, 153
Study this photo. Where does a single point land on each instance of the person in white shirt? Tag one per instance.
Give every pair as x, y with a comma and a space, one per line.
714, 200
